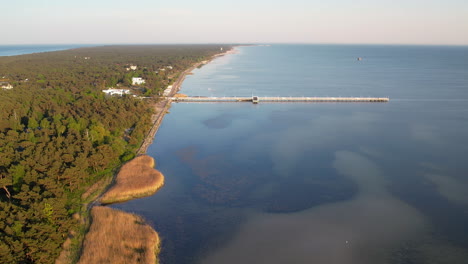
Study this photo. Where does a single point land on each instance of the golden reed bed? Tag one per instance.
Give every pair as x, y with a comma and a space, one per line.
135, 179
118, 237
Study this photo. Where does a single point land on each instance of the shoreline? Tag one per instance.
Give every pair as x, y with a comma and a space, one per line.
164, 104
121, 194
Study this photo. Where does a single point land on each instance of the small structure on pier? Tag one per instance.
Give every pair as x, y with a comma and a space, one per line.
255, 99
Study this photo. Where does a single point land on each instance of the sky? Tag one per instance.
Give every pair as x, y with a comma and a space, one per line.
428, 22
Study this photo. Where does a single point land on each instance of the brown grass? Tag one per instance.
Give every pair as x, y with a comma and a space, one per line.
119, 237
180, 95
136, 179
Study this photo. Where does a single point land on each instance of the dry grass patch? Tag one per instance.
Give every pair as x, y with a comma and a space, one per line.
136, 179
180, 95
119, 237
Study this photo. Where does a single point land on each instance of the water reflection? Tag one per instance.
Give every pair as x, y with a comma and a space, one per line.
366, 229
318, 132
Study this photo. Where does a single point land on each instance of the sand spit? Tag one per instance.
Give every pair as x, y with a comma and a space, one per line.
119, 237
136, 179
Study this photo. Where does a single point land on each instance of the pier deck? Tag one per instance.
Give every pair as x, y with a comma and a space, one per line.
256, 99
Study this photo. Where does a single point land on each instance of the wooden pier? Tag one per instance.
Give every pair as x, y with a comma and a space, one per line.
256, 99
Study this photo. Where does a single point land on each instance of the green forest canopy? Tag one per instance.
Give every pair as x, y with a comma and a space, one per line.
59, 133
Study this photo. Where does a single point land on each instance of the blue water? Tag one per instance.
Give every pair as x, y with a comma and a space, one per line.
12, 50
317, 182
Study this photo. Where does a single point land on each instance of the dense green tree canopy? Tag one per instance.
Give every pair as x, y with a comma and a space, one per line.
59, 134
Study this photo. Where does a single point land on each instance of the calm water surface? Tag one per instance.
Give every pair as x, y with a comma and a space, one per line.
317, 182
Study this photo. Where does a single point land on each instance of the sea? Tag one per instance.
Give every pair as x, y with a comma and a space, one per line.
317, 182
12, 50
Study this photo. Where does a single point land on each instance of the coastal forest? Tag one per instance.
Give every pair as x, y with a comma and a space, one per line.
60, 134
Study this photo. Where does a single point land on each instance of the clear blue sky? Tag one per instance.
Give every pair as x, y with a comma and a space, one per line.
242, 21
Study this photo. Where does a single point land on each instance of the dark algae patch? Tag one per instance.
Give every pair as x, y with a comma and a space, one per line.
219, 122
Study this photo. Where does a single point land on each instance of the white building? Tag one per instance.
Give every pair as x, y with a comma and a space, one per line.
112, 91
167, 91
138, 81
6, 85
131, 67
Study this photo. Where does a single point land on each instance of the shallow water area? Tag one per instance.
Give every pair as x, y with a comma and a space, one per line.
317, 182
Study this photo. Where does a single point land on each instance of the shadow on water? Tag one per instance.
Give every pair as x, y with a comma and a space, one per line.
219, 122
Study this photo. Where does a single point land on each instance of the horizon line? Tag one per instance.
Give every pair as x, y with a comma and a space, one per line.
237, 43
233, 43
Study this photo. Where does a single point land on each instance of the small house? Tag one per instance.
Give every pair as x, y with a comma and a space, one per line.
131, 67
112, 91
137, 81
6, 85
